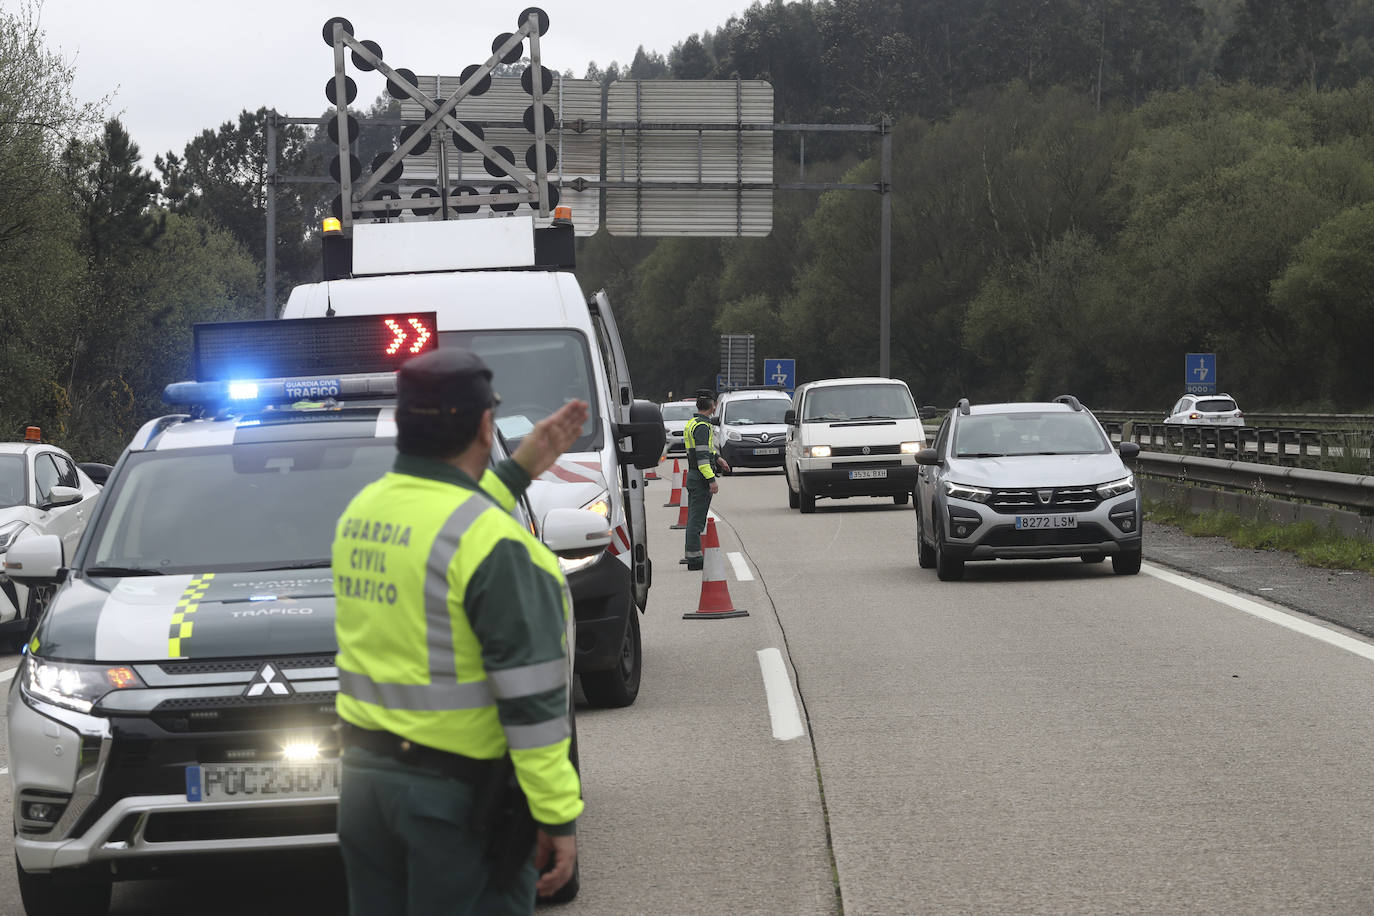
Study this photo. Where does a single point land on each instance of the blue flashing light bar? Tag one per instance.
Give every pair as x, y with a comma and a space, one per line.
280, 391
241, 351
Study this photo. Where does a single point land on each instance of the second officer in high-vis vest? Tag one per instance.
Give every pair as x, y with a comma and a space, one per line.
451, 625
703, 457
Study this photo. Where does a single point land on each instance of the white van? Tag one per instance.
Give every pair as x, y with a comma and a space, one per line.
851, 437
503, 289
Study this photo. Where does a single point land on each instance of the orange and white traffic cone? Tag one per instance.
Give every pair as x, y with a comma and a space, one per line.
715, 600
681, 519
675, 496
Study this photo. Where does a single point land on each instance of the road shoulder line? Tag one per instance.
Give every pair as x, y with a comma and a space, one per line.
782, 702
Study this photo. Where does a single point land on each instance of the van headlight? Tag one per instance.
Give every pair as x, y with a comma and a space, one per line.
9, 532
77, 687
964, 491
818, 451
911, 448
1116, 487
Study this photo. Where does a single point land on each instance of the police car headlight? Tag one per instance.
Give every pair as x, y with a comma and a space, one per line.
964, 491
1116, 487
77, 687
9, 532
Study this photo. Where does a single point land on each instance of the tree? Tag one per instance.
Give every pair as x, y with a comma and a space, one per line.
689, 60
1287, 43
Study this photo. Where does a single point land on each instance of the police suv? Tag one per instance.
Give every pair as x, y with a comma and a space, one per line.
176, 701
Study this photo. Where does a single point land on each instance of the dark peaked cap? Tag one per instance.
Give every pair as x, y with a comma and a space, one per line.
451, 380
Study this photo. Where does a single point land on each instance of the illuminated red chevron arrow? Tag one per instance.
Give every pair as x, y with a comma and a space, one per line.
401, 336
422, 332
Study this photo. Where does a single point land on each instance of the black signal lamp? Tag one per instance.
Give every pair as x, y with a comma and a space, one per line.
422, 146
503, 190
542, 16
333, 129
355, 168
550, 157
527, 80
482, 85
514, 54
395, 90
363, 63
424, 194
462, 190
329, 28
462, 142
350, 91
495, 169
548, 118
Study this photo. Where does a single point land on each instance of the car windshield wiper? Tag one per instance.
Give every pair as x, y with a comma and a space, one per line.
873, 416
301, 564
122, 571
980, 455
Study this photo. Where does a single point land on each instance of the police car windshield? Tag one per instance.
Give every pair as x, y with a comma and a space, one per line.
252, 506
535, 373
837, 403
1014, 434
752, 411
11, 481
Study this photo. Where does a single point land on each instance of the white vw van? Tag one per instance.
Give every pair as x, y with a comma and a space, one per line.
851, 437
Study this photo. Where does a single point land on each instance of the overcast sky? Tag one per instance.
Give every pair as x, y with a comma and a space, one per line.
174, 69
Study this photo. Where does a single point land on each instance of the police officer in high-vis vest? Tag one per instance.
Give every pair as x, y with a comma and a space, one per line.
703, 457
451, 627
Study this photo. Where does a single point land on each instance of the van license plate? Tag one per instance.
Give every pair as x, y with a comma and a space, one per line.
765, 451
276, 779
1024, 522
869, 474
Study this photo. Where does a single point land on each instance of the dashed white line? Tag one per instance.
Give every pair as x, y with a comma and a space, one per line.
742, 572
7, 674
4, 771
782, 702
1272, 615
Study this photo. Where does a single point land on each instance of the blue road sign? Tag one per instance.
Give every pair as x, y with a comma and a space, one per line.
782, 372
1200, 373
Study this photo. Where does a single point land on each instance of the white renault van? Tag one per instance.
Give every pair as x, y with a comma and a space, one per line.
851, 437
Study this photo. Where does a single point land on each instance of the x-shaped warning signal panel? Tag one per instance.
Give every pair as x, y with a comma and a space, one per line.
514, 188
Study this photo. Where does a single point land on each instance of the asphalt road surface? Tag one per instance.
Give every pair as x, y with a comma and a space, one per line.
1043, 737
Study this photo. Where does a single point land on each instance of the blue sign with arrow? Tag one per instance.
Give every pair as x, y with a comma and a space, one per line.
1200, 373
781, 373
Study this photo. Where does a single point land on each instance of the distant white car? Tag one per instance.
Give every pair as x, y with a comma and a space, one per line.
675, 417
1206, 410
42, 491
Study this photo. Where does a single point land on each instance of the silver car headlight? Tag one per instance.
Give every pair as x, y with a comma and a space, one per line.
1116, 487
733, 435
77, 687
9, 532
964, 491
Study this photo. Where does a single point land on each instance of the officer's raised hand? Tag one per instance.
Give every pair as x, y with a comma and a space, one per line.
551, 437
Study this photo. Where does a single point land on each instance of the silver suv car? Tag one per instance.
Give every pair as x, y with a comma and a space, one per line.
1025, 481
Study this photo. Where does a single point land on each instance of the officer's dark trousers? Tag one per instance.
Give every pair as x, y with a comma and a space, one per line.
408, 847
698, 504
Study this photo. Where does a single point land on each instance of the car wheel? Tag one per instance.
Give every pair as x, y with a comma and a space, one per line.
899, 499
69, 892
925, 554
807, 502
792, 500
618, 687
947, 568
1126, 564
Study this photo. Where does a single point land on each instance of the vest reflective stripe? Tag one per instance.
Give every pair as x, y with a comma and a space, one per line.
528, 680
540, 734
443, 656
421, 697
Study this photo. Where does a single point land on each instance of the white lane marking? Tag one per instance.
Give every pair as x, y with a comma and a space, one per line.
7, 674
4, 771
742, 572
782, 702
1272, 615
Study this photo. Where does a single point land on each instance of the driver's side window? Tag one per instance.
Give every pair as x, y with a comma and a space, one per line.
45, 476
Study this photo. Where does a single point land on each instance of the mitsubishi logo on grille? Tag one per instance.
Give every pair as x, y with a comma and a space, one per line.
268, 680
1044, 496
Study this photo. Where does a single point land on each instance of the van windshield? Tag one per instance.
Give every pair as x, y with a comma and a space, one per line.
535, 372
835, 403
753, 411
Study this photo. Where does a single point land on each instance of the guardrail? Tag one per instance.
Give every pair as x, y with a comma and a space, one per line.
1346, 491
1350, 448
1274, 420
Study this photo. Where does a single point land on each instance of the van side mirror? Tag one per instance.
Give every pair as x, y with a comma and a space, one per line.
576, 533
37, 558
790, 418
646, 433
715, 420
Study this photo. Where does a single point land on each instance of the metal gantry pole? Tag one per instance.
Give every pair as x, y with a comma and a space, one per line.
269, 305
885, 244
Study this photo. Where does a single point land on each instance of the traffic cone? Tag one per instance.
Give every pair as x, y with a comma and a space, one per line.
715, 600
681, 519
675, 497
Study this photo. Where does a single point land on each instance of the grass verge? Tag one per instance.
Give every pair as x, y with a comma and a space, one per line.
1326, 548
